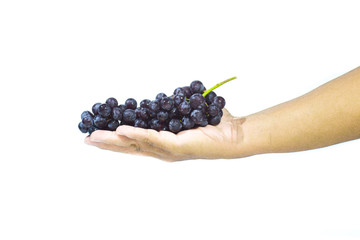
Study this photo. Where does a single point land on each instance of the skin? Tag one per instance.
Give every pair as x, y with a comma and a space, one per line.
328, 115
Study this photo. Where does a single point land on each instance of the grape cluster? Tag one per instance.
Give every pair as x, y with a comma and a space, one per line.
188, 107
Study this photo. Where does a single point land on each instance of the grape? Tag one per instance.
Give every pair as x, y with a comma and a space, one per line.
154, 106
112, 102
86, 114
113, 124
178, 99
100, 122
92, 129
143, 114
219, 102
175, 125
196, 100
162, 116
187, 123
166, 103
197, 116
87, 121
184, 108
174, 113
117, 113
122, 107
179, 91
140, 123
145, 103
82, 128
213, 110
210, 97
187, 91
129, 116
155, 124
215, 120
104, 110
131, 103
160, 96
95, 108
197, 87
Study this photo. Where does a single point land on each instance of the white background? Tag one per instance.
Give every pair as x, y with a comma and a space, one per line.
57, 58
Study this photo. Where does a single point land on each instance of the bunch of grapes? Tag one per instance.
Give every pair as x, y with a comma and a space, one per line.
188, 107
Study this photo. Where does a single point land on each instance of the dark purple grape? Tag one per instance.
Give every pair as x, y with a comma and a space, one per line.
144, 114
215, 120
178, 99
160, 96
122, 107
179, 91
174, 113
197, 87
86, 114
221, 113
197, 100
87, 121
95, 108
175, 125
112, 102
187, 91
140, 123
100, 122
219, 102
82, 128
116, 113
113, 125
210, 97
187, 123
92, 129
131, 103
197, 116
104, 110
129, 116
204, 123
166, 103
145, 103
213, 110
154, 106
162, 116
184, 108
155, 124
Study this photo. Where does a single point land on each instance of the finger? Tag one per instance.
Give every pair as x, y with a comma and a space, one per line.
128, 150
162, 139
110, 137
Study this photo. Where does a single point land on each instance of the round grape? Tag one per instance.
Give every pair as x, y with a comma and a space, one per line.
112, 102
160, 96
131, 103
184, 108
104, 110
187, 123
113, 124
175, 125
82, 128
197, 100
129, 116
166, 103
117, 113
145, 103
197, 87
100, 122
219, 102
95, 108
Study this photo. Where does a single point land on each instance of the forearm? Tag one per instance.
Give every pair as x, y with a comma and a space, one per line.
327, 115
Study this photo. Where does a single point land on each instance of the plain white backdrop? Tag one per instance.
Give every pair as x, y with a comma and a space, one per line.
57, 58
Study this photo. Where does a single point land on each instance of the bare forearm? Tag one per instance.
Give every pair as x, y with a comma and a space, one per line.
327, 115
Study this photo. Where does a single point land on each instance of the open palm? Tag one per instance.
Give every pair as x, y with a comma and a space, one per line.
208, 142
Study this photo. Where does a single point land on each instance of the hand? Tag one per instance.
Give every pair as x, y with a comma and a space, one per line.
210, 142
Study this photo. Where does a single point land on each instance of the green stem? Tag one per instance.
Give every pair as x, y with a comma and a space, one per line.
218, 85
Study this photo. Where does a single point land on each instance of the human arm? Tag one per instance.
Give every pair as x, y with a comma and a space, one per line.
327, 115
